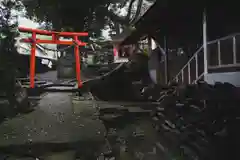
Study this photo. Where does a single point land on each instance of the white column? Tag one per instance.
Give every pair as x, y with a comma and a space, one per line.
205, 42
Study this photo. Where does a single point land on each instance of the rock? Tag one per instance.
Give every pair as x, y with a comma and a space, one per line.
199, 113
120, 79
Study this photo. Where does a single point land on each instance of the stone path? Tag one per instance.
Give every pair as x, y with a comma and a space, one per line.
52, 124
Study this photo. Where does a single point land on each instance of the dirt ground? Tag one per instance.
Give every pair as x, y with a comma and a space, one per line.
51, 126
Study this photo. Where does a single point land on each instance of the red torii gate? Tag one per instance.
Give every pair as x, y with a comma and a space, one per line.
55, 40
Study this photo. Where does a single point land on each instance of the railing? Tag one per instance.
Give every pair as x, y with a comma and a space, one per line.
224, 52
221, 53
192, 71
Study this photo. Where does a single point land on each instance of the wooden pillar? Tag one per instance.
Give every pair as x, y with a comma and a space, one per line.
149, 45
158, 66
77, 59
166, 65
33, 60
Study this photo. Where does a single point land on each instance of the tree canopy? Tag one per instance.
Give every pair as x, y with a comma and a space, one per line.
8, 33
80, 15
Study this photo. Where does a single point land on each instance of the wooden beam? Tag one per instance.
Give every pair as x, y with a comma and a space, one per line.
62, 42
44, 32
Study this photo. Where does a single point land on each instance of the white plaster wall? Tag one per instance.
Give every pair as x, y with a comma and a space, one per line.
26, 51
154, 63
24, 48
153, 66
231, 77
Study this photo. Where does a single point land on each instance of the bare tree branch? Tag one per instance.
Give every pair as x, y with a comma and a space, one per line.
138, 11
129, 10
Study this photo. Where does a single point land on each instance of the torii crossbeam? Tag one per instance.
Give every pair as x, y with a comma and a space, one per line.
55, 40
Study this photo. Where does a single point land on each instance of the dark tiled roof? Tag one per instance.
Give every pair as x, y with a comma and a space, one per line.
181, 21
120, 37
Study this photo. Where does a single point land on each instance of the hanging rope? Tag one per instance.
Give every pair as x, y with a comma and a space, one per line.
56, 50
